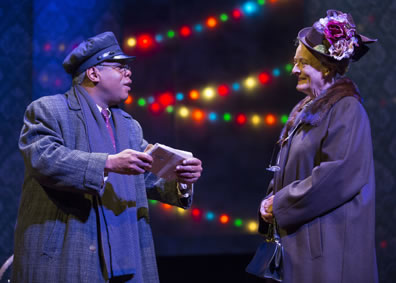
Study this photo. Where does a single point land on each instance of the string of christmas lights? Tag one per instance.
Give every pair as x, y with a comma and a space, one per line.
198, 214
166, 102
147, 40
209, 93
198, 115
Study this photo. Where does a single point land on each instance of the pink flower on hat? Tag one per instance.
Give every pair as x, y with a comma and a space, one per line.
334, 31
340, 34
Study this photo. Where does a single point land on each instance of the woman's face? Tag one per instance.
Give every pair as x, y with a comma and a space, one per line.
309, 72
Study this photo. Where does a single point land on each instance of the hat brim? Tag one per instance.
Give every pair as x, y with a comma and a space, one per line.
121, 57
104, 55
302, 38
360, 51
366, 39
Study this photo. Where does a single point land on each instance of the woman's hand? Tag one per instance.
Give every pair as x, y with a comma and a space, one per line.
266, 209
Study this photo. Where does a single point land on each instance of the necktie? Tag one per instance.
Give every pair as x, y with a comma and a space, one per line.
106, 117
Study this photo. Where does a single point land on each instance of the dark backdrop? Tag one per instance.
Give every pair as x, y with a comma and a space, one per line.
36, 36
234, 157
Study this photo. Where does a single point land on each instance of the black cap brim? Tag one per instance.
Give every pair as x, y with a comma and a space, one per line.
121, 57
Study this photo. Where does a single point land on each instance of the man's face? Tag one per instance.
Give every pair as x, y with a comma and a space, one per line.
114, 82
308, 68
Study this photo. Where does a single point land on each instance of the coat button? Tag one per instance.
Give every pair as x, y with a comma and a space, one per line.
92, 248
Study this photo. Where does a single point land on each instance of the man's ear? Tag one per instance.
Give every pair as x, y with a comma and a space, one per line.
93, 74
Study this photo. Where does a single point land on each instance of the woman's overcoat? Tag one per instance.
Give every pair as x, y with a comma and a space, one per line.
325, 190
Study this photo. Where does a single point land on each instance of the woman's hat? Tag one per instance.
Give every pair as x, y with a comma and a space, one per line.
335, 38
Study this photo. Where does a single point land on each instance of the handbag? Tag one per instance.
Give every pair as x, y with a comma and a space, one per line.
268, 259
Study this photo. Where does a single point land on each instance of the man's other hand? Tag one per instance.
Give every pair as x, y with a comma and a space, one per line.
189, 171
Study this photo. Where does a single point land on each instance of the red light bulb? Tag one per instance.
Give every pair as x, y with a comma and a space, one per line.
241, 119
145, 41
223, 90
185, 31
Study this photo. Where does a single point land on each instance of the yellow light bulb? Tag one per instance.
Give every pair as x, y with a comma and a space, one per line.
62, 47
181, 210
208, 93
250, 82
184, 112
252, 226
256, 119
131, 42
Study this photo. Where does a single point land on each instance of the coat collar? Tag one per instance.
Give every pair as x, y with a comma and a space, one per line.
312, 112
72, 99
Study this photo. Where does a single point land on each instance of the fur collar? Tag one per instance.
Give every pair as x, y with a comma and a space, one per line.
312, 112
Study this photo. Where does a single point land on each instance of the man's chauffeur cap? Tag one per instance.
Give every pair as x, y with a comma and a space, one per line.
93, 51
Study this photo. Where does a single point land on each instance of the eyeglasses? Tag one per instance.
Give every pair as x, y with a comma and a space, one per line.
119, 68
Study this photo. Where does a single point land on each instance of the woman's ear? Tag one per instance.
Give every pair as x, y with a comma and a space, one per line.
93, 74
328, 73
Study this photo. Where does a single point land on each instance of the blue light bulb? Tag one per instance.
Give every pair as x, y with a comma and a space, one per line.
212, 116
198, 27
276, 72
179, 96
159, 37
249, 7
236, 86
210, 216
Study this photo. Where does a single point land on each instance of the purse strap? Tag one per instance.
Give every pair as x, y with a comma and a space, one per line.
272, 233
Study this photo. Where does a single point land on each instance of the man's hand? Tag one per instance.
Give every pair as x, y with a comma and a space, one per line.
266, 209
190, 171
128, 162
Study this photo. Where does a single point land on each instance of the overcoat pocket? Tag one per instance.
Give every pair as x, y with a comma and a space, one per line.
54, 240
315, 238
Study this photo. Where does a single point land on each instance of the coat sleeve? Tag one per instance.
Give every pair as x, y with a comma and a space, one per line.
160, 189
346, 152
51, 163
167, 191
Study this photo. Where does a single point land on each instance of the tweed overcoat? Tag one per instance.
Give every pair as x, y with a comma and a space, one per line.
56, 235
325, 191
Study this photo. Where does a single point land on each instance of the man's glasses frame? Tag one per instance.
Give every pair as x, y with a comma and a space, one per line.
123, 68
